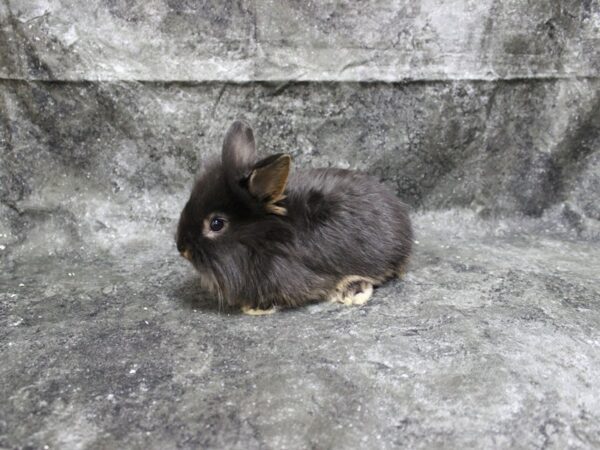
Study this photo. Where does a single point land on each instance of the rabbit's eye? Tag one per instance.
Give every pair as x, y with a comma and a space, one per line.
217, 224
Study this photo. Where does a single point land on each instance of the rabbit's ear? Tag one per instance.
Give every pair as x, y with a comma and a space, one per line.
239, 150
268, 180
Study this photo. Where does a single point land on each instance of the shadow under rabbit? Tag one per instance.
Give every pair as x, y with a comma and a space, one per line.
193, 296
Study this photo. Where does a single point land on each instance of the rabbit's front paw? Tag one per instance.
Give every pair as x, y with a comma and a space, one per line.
257, 311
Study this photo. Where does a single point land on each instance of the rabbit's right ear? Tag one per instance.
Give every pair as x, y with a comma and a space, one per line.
268, 181
239, 151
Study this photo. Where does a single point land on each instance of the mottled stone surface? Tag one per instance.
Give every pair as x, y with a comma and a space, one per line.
490, 130
492, 340
282, 40
500, 148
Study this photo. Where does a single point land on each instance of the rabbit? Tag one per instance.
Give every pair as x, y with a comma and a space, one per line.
263, 238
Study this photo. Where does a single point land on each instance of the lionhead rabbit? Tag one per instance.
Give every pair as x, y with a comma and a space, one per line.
262, 237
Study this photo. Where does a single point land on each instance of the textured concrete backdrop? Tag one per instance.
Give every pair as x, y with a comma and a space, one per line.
483, 115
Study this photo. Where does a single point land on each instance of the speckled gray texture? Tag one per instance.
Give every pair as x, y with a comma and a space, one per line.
281, 40
490, 130
492, 340
499, 148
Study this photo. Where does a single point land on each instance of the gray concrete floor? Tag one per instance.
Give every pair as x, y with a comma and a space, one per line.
492, 340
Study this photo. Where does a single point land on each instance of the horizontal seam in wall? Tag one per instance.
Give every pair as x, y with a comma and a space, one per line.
550, 78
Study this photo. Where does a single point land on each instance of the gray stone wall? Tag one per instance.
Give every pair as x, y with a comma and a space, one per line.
486, 105
501, 148
183, 40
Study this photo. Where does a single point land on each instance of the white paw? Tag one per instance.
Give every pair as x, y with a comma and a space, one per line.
257, 311
361, 298
353, 290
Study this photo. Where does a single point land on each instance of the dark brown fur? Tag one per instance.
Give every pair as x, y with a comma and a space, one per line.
289, 240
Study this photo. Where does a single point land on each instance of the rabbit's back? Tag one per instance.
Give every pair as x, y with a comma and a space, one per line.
348, 223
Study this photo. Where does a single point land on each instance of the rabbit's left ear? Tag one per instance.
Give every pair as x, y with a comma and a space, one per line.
239, 150
268, 180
